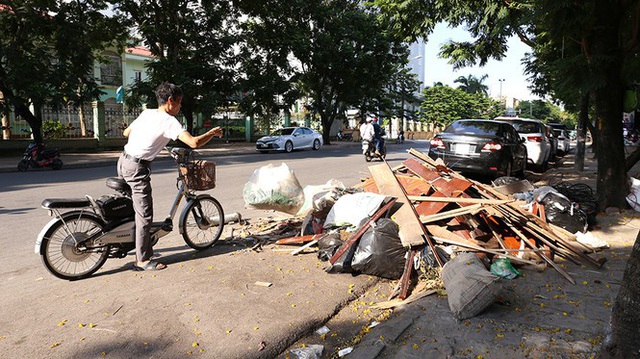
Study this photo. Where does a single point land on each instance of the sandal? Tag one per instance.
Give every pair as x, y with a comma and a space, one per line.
150, 265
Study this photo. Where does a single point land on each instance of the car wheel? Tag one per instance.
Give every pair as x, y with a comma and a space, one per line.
316, 144
288, 147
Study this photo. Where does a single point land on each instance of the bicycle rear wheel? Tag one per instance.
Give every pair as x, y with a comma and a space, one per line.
202, 222
62, 255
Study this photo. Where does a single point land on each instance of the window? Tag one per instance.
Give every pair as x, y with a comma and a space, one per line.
111, 70
137, 76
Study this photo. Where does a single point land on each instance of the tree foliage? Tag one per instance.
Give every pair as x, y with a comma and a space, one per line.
472, 84
335, 54
47, 53
443, 105
192, 42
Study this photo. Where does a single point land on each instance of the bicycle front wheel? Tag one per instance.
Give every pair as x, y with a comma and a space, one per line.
202, 222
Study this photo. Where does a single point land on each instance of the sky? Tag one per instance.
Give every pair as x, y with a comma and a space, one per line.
510, 69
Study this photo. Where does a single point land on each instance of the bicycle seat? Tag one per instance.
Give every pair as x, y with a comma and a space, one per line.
119, 184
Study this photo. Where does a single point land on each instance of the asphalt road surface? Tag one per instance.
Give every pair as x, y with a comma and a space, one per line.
205, 304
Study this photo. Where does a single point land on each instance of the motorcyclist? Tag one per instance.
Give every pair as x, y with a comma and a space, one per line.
367, 132
378, 133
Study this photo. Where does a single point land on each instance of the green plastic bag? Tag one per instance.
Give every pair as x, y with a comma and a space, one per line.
502, 268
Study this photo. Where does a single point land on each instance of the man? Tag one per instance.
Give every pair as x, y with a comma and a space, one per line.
366, 131
147, 136
378, 133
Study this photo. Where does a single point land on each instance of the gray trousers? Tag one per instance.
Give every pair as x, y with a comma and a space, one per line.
138, 176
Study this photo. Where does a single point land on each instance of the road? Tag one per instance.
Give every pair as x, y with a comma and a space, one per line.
206, 303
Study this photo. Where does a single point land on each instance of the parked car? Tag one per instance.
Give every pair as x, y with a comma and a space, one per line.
484, 147
288, 139
538, 143
554, 142
564, 140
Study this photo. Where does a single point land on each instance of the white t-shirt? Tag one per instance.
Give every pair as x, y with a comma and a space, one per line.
150, 132
366, 131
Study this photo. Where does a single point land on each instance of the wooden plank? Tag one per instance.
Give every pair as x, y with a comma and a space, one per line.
458, 200
406, 275
300, 239
473, 209
420, 170
414, 186
411, 230
354, 237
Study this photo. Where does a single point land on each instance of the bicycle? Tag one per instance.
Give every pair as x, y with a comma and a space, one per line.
85, 232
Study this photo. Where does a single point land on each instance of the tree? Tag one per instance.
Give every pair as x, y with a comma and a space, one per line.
443, 105
472, 84
193, 44
47, 53
334, 53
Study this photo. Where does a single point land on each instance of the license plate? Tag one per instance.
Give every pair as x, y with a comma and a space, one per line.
462, 148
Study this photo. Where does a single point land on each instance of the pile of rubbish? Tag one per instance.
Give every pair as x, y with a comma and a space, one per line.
474, 235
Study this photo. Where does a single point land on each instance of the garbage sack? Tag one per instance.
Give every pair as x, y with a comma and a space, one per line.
343, 264
560, 211
328, 245
351, 209
471, 288
274, 187
380, 252
318, 197
502, 268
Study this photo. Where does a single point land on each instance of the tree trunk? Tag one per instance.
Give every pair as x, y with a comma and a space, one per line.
583, 118
326, 121
623, 337
612, 183
34, 122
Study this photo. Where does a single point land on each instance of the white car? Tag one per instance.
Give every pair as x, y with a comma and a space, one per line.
564, 140
288, 139
538, 143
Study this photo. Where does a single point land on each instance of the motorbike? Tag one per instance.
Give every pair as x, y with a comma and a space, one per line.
86, 231
344, 136
38, 157
369, 151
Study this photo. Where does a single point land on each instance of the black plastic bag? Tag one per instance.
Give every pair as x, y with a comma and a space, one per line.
560, 211
328, 245
380, 251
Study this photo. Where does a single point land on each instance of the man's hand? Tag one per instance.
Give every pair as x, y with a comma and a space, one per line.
217, 131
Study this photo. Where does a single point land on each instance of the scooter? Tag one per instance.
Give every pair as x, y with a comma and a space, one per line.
344, 136
37, 157
369, 151
84, 232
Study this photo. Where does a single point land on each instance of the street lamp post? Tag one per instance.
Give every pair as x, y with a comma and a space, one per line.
501, 81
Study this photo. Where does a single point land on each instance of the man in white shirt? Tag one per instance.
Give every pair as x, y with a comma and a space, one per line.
147, 136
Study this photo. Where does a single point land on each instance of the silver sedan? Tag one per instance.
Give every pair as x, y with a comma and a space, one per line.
288, 139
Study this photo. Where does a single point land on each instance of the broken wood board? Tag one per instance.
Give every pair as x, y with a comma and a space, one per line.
411, 230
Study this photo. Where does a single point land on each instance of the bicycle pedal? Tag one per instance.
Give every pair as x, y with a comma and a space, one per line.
167, 226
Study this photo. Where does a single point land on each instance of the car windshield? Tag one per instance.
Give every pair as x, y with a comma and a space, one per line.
526, 127
282, 132
473, 128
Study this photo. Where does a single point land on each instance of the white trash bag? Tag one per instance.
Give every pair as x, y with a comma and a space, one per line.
274, 187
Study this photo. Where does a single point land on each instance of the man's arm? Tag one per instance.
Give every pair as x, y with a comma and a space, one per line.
199, 141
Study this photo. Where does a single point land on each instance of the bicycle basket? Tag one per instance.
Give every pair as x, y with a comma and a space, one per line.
199, 175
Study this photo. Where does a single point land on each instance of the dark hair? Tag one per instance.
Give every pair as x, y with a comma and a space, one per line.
166, 90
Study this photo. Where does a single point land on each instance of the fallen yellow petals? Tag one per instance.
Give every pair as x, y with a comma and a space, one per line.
54, 345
